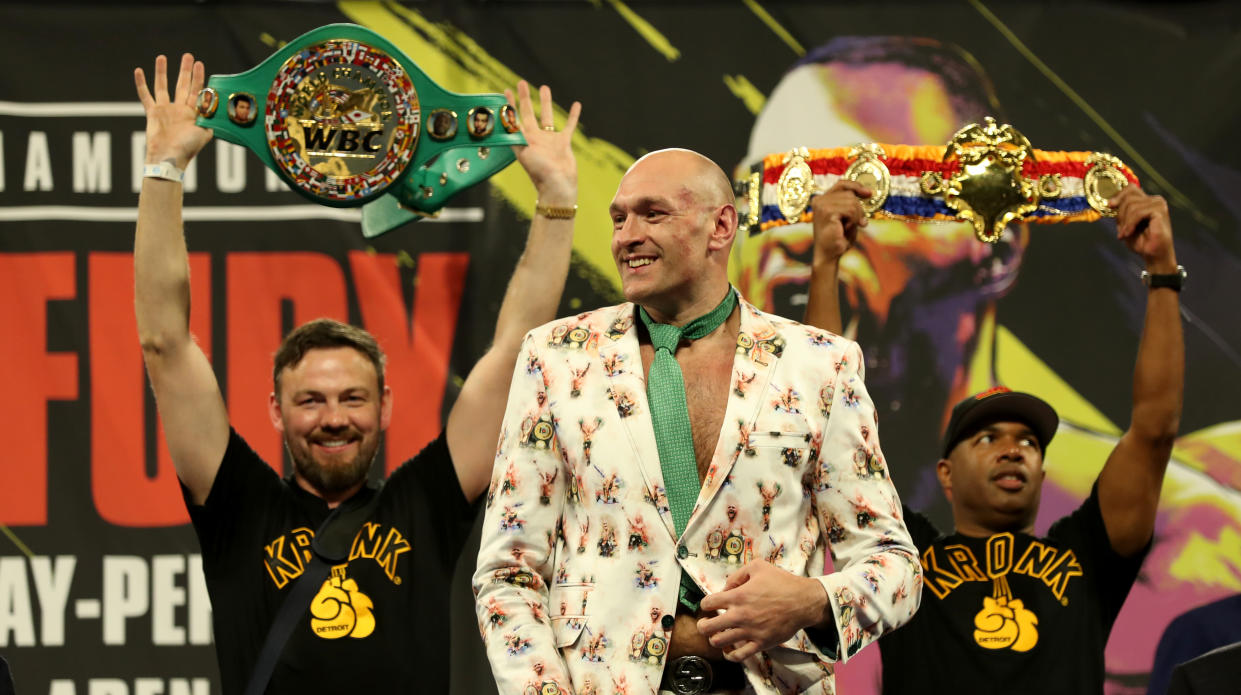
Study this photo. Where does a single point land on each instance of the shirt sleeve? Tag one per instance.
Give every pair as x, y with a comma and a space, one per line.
238, 500
514, 558
1085, 531
921, 530
429, 480
877, 584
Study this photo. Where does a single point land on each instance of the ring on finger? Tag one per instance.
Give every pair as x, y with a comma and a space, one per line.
550, 128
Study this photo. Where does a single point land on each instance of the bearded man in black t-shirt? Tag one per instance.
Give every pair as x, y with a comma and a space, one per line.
1003, 610
378, 621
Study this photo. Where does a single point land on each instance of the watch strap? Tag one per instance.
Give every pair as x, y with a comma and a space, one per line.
1174, 281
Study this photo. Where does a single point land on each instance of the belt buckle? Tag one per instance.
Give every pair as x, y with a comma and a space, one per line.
691, 675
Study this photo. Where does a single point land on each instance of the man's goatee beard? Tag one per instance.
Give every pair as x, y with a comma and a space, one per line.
332, 480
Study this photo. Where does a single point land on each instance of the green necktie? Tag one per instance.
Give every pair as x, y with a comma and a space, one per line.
665, 391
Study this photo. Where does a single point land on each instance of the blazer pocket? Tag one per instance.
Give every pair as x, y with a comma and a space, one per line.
569, 599
567, 630
794, 446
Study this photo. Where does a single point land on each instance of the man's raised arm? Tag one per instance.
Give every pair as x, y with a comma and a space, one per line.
533, 293
1131, 479
190, 405
838, 217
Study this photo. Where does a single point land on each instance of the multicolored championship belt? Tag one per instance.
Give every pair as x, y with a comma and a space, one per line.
988, 175
347, 119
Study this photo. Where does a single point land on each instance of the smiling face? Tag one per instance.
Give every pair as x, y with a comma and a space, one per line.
332, 413
993, 478
673, 223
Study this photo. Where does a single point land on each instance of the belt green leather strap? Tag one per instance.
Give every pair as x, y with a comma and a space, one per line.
347, 119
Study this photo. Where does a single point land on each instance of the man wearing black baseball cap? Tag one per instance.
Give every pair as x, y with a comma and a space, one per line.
1004, 610
1003, 495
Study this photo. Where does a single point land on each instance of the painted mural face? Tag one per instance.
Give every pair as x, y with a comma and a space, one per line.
896, 269
332, 416
913, 295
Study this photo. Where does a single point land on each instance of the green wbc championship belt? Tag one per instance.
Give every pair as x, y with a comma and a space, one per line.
347, 119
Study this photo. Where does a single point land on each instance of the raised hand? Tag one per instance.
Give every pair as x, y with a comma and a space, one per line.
1143, 223
838, 216
171, 131
548, 155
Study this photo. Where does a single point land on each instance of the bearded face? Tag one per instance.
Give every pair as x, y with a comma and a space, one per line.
332, 474
331, 413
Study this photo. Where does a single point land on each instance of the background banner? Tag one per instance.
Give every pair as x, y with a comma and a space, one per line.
101, 589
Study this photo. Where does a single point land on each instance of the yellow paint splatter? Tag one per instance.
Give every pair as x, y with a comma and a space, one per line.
16, 541
745, 90
457, 62
931, 111
647, 31
271, 41
766, 18
1224, 438
1021, 370
1207, 562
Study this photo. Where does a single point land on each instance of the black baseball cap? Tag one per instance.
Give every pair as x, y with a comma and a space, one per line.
997, 405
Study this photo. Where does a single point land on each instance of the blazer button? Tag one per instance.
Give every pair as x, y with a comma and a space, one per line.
667, 621
682, 552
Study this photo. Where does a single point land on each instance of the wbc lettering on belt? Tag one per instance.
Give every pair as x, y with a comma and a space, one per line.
342, 119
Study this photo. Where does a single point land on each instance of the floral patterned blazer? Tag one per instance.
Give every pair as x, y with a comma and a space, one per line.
579, 565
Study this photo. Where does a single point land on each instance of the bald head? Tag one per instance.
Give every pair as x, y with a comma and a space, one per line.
673, 224
698, 175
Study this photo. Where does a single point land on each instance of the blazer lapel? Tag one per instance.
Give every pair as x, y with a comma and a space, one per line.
621, 364
759, 347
